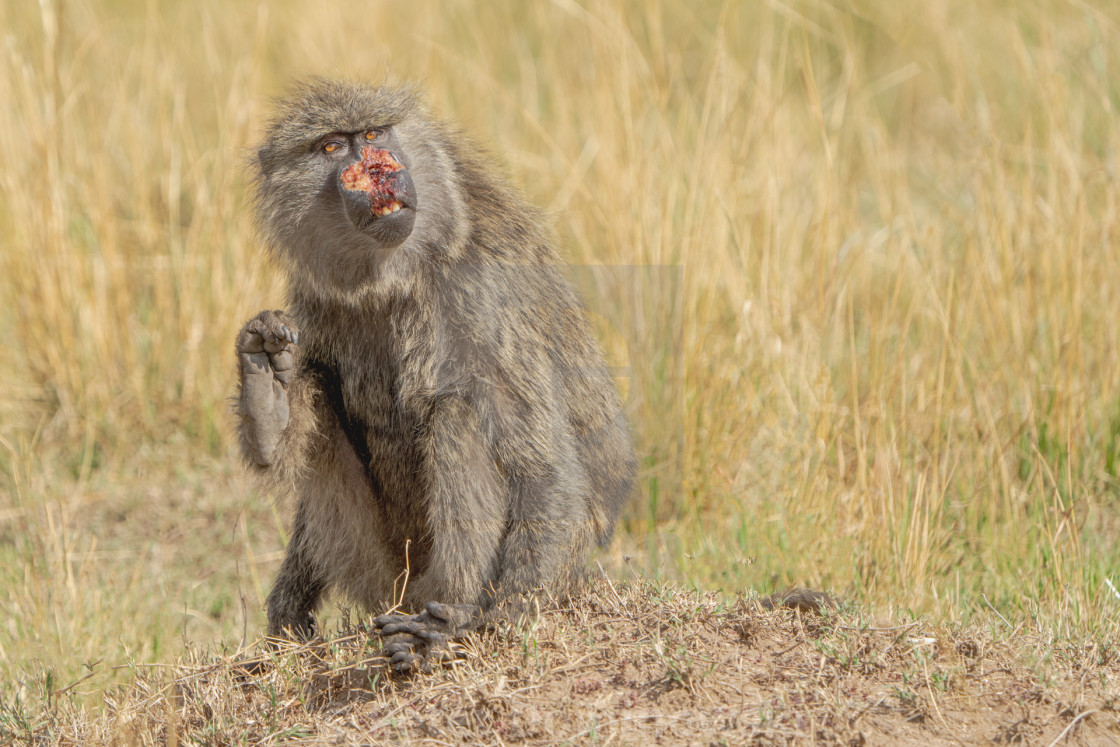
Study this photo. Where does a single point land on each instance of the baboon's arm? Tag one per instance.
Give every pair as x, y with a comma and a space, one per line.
467, 506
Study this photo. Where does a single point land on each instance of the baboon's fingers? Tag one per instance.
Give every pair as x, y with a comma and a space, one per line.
437, 624
455, 616
250, 341
268, 331
402, 653
282, 361
415, 642
289, 334
276, 345
408, 662
422, 627
381, 621
399, 643
411, 626
283, 365
433, 637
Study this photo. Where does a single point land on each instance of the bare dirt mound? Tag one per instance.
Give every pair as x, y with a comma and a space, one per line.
635, 664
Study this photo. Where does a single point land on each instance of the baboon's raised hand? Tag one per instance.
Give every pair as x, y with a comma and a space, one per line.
266, 350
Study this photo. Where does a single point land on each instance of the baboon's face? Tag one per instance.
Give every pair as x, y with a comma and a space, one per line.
368, 176
352, 182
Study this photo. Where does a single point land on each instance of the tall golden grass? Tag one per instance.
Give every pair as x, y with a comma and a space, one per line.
865, 282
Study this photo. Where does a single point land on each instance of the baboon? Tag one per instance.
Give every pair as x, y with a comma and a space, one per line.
432, 395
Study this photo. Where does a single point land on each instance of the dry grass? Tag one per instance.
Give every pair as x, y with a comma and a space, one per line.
860, 284
643, 664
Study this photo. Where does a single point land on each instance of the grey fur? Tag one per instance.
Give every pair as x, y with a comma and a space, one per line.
445, 392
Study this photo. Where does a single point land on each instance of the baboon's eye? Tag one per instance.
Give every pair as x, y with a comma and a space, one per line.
331, 146
374, 134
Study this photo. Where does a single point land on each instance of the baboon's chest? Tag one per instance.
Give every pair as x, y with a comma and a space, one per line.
370, 379
363, 360
362, 394
368, 401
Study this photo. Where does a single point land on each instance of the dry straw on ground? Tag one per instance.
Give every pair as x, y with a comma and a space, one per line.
640, 664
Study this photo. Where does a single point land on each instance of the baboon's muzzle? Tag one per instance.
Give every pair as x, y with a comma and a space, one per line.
379, 195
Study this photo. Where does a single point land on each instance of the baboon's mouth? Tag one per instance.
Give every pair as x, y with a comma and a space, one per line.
392, 207
382, 178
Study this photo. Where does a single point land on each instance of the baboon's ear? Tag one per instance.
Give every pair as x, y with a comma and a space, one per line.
262, 156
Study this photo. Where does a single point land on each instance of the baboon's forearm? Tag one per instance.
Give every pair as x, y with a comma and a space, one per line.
466, 504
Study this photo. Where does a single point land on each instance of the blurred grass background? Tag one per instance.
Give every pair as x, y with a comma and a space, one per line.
864, 294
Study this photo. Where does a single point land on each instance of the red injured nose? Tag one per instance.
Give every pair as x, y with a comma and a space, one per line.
376, 175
